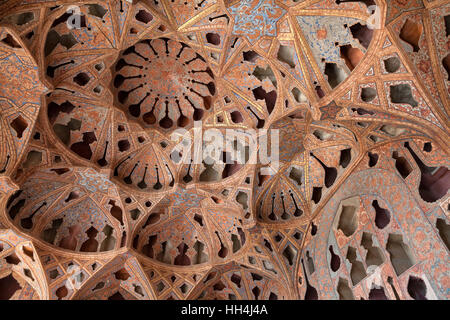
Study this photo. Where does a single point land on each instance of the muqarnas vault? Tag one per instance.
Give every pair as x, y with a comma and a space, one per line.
94, 207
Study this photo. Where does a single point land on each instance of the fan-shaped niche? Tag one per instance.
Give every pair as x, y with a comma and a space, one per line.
145, 169
118, 281
225, 154
80, 236
283, 202
164, 84
60, 206
231, 284
188, 228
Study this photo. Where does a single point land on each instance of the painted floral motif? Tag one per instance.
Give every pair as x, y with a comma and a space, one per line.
256, 18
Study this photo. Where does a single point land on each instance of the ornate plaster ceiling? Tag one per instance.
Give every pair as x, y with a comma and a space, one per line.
94, 206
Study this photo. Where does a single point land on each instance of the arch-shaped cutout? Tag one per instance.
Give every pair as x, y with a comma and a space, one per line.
400, 254
348, 217
411, 33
